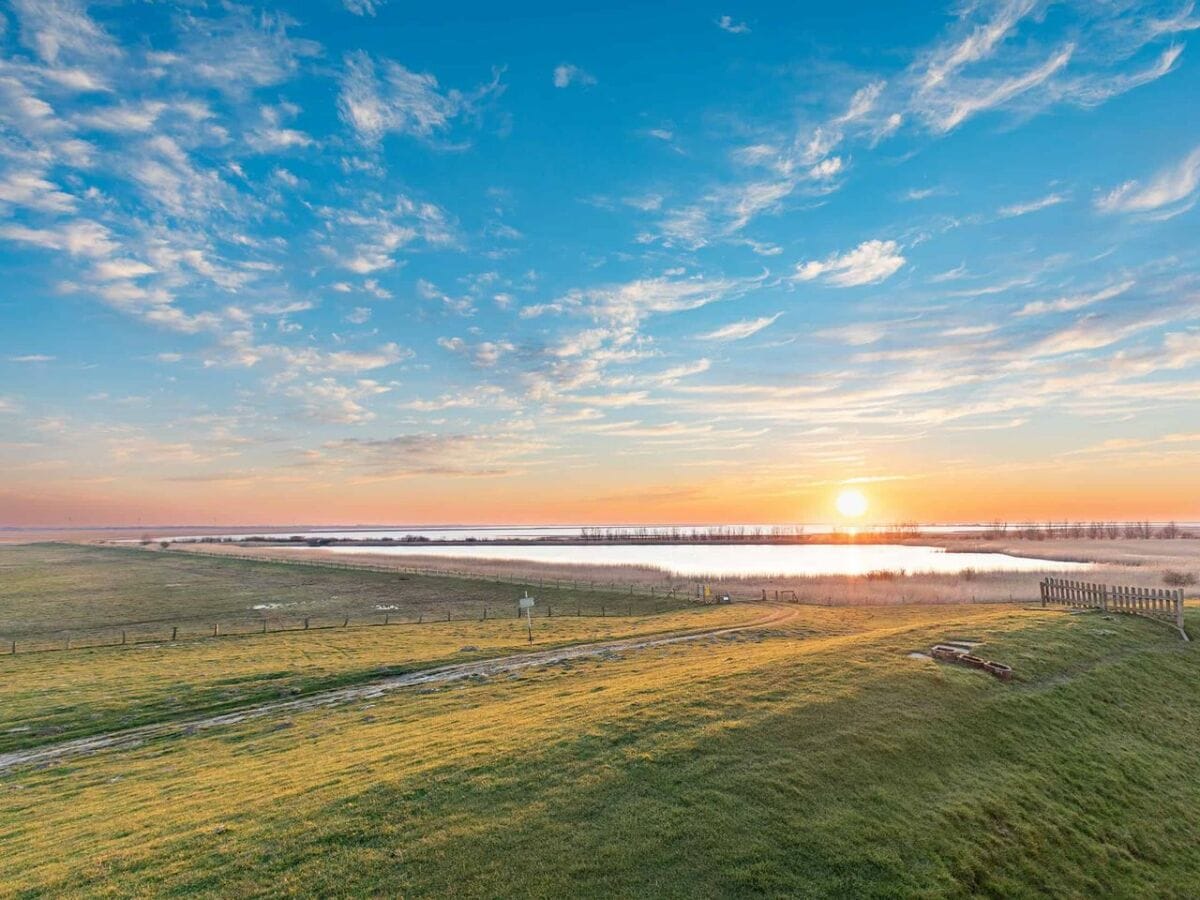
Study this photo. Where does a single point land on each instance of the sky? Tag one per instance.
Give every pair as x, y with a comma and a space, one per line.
363, 261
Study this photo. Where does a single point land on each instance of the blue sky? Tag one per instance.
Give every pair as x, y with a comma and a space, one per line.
360, 261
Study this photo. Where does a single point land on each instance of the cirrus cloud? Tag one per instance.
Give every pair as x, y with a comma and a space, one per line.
869, 263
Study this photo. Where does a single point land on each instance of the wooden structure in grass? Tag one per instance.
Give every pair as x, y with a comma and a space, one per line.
1163, 604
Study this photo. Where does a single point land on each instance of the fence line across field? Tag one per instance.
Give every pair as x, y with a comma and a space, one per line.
199, 629
1162, 604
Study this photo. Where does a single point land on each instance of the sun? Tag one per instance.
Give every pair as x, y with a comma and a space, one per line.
851, 503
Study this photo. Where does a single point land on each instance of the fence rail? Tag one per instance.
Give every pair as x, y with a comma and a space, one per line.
1153, 603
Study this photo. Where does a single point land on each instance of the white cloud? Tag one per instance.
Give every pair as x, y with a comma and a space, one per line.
566, 75
979, 44
1173, 185
62, 29
736, 331
857, 334
399, 100
241, 50
283, 308
359, 315
1094, 331
271, 136
81, 237
1074, 301
328, 400
726, 23
363, 7
168, 177
286, 178
432, 455
120, 269
484, 355
32, 358
646, 202
31, 190
1095, 89
631, 301
370, 236
1020, 209
863, 102
868, 263
123, 118
683, 370
987, 64
949, 111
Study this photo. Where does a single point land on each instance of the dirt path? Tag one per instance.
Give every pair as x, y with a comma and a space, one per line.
487, 667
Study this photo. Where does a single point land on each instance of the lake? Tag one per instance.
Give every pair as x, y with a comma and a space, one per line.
697, 560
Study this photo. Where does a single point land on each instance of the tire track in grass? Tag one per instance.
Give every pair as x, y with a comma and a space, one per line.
133, 737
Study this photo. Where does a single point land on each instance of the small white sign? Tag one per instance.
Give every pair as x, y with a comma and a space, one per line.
526, 602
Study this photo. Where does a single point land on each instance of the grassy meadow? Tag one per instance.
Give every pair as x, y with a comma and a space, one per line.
48, 697
93, 591
807, 756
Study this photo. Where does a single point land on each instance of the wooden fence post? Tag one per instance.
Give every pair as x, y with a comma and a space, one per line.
174, 632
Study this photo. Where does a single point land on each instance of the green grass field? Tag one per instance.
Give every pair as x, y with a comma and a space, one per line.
49, 589
811, 756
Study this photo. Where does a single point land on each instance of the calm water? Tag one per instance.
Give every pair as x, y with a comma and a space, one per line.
744, 559
533, 532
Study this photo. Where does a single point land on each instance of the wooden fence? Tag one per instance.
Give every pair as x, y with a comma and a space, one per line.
1153, 603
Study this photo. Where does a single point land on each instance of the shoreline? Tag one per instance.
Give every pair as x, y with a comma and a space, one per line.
882, 588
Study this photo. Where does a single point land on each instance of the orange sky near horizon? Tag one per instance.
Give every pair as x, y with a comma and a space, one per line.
1026, 494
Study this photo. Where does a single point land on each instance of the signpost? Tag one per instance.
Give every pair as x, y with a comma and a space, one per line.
526, 603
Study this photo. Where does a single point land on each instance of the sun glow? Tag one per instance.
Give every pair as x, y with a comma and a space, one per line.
851, 503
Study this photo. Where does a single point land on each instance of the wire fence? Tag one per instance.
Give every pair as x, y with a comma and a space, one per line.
557, 597
209, 628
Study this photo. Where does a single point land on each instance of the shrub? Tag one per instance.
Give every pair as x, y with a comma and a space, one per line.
883, 575
1178, 579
